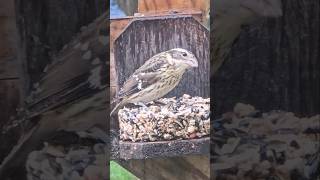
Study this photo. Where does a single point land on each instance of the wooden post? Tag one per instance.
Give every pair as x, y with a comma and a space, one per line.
9, 73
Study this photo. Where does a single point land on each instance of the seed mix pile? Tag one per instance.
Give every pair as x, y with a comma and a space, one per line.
250, 144
70, 155
170, 118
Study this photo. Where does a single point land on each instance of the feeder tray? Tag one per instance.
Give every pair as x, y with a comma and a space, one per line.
143, 150
169, 127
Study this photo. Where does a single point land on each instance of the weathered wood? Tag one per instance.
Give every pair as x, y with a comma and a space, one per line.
9, 102
145, 37
7, 8
159, 6
173, 168
8, 43
10, 79
275, 64
117, 25
143, 150
113, 75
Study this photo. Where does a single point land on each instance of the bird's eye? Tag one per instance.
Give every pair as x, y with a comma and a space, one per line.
184, 54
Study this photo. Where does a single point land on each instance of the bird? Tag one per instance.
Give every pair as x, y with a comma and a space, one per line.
71, 96
155, 78
229, 17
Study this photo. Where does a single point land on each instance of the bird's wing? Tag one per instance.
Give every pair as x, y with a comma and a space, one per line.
153, 65
79, 70
143, 77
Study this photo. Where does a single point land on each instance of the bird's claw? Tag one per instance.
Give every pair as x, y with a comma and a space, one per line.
169, 105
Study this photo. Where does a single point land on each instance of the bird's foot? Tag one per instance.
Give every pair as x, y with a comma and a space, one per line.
169, 105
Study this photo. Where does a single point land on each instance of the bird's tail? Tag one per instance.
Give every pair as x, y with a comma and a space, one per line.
116, 108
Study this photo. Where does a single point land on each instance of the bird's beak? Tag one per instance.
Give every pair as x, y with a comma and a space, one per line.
194, 64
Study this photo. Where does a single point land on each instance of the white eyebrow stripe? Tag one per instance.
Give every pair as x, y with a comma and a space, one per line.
169, 58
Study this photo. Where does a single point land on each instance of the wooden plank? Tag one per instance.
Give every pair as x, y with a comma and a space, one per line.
116, 28
7, 8
10, 84
8, 48
142, 150
174, 168
174, 5
8, 68
201, 163
9, 101
118, 25
113, 75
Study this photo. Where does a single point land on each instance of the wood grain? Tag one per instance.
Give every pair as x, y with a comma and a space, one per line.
275, 64
159, 6
9, 101
8, 47
174, 168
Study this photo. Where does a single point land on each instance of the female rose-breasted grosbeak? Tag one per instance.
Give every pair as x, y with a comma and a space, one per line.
156, 77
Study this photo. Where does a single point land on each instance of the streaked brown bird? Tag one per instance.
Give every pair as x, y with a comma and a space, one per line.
156, 77
71, 96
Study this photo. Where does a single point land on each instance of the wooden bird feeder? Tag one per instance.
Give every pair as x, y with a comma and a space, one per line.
147, 36
136, 39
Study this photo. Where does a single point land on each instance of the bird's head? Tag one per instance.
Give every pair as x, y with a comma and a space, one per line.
182, 58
